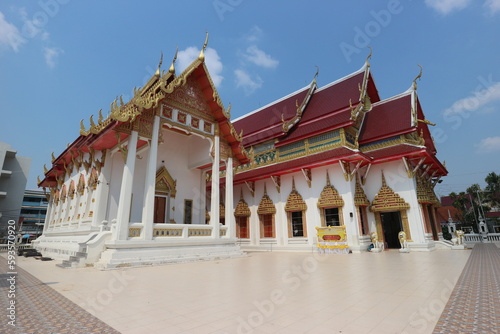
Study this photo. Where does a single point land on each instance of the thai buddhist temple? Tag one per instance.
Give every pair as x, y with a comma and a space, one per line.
169, 177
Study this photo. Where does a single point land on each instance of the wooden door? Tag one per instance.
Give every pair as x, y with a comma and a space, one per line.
160, 206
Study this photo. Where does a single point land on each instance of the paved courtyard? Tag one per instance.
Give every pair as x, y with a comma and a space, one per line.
265, 292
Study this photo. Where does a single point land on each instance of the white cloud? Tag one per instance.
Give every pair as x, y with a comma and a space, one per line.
51, 55
10, 36
477, 100
260, 58
493, 5
447, 6
212, 60
245, 81
488, 145
254, 34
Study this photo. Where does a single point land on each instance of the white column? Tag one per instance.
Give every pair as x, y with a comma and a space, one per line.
102, 191
48, 215
203, 197
149, 190
214, 199
123, 214
230, 220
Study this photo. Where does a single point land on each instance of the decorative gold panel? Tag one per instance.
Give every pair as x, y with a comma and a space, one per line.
329, 197
81, 185
295, 202
165, 183
134, 232
242, 209
388, 200
266, 205
93, 179
360, 198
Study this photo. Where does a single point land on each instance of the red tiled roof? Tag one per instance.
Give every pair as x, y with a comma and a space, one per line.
266, 122
387, 119
443, 213
294, 165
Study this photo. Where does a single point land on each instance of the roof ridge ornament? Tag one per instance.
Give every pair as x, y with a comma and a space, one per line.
158, 70
367, 63
417, 77
172, 66
202, 52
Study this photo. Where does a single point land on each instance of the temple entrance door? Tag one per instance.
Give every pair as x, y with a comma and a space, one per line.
391, 224
160, 207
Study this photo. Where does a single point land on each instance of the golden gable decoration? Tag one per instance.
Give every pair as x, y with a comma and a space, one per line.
295, 202
329, 197
57, 194
387, 200
360, 198
242, 209
266, 205
165, 183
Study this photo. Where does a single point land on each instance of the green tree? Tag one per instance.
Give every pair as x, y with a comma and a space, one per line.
492, 190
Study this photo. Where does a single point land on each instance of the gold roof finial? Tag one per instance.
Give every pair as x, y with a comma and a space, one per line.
38, 181
369, 56
45, 170
265, 189
384, 184
53, 157
83, 131
101, 118
327, 178
317, 72
172, 67
158, 70
293, 184
202, 52
417, 77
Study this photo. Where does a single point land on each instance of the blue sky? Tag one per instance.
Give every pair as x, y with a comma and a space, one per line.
63, 60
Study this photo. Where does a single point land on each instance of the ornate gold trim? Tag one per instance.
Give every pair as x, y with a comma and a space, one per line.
330, 197
295, 202
165, 183
266, 205
387, 200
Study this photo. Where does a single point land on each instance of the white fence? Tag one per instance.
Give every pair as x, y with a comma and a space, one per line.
476, 238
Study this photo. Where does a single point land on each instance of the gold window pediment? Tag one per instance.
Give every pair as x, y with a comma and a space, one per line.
330, 198
165, 183
266, 205
242, 209
360, 198
387, 200
295, 202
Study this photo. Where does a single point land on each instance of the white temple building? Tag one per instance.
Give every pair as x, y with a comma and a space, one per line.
169, 177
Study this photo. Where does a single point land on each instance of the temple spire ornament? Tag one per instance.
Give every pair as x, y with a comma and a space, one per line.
367, 61
158, 70
417, 77
202, 52
172, 66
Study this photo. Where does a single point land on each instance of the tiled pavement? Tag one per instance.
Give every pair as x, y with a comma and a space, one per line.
382, 293
40, 309
474, 305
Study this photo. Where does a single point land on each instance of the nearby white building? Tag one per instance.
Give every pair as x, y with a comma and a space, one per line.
168, 177
14, 171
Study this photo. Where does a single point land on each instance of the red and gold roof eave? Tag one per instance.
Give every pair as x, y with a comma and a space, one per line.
226, 128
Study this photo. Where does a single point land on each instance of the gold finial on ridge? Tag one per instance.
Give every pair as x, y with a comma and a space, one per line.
317, 72
417, 77
202, 52
327, 178
172, 66
369, 56
158, 70
53, 157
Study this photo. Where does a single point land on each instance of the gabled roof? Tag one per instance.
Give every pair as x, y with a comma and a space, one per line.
387, 118
266, 122
103, 135
329, 108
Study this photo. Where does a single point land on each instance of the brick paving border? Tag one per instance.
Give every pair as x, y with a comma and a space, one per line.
474, 305
41, 309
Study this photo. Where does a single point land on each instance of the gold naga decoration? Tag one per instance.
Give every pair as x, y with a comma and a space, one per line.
387, 200
295, 202
299, 109
330, 197
266, 205
80, 188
